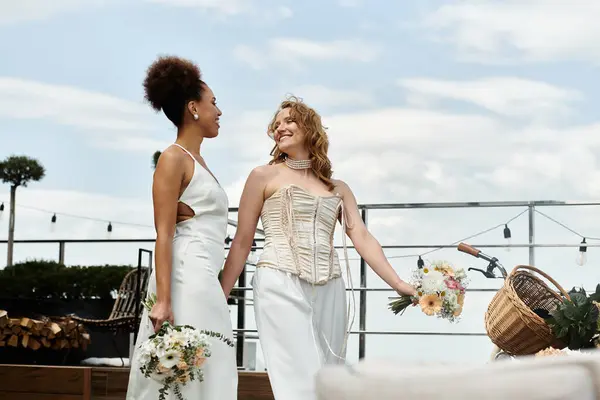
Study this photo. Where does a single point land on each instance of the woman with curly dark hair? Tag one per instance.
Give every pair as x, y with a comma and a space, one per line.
299, 292
190, 217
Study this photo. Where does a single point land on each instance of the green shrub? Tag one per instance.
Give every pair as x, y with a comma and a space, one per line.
42, 279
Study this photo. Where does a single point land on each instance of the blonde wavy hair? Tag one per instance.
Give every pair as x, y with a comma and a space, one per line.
317, 142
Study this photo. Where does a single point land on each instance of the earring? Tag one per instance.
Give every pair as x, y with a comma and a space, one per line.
196, 117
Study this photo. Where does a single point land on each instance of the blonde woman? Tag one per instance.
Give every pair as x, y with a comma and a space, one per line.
299, 293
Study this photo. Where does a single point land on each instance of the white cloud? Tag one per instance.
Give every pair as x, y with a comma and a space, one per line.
292, 52
35, 10
350, 3
68, 105
284, 12
322, 96
257, 11
14, 12
222, 6
415, 153
491, 31
507, 96
249, 55
130, 143
105, 117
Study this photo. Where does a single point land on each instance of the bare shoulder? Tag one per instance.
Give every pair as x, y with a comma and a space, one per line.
262, 173
171, 158
341, 187
256, 184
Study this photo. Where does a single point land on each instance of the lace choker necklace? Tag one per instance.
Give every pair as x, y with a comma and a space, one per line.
298, 164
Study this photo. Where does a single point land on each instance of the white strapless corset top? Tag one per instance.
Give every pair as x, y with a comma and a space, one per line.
299, 228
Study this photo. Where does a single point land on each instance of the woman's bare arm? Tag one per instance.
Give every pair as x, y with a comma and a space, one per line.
366, 245
251, 204
166, 186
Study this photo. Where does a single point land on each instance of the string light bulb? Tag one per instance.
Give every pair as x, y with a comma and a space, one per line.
2, 207
420, 263
507, 236
53, 223
109, 227
582, 255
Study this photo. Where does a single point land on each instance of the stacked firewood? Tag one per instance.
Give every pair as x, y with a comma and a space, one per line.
55, 333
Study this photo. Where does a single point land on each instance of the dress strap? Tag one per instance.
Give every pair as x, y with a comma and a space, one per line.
349, 320
184, 149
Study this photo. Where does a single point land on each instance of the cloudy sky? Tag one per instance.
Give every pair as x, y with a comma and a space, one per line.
427, 101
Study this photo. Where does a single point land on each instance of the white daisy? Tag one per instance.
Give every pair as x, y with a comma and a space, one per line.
170, 359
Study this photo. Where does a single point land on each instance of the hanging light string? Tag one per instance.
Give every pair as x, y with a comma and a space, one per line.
54, 214
420, 255
565, 226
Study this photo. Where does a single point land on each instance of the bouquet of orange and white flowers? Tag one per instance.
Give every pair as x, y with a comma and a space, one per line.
174, 355
440, 291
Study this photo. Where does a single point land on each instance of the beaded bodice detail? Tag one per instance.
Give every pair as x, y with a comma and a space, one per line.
299, 228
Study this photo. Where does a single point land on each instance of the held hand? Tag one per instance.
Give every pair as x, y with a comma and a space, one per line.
160, 313
404, 289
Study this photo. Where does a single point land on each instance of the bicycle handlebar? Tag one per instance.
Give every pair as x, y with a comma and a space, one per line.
468, 249
493, 261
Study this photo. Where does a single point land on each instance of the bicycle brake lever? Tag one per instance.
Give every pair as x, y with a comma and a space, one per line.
487, 274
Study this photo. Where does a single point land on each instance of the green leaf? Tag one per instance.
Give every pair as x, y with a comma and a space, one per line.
579, 299
570, 313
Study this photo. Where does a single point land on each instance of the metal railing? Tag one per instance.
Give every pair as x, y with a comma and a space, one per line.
241, 331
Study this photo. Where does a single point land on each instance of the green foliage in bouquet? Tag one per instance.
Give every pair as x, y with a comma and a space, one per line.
401, 304
575, 321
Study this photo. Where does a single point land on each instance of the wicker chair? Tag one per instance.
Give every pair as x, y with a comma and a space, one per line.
122, 317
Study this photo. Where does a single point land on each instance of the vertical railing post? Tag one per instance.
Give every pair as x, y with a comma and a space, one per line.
61, 252
531, 234
362, 318
138, 289
138, 294
241, 319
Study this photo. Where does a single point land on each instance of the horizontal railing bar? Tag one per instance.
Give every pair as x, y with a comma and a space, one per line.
359, 289
483, 204
385, 247
400, 333
96, 241
469, 204
499, 246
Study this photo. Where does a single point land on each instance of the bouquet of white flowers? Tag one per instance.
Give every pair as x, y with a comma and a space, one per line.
174, 355
440, 291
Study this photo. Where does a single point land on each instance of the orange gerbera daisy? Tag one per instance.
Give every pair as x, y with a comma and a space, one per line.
430, 304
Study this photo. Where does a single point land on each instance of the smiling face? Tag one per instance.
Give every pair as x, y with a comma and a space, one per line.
287, 133
207, 111
298, 133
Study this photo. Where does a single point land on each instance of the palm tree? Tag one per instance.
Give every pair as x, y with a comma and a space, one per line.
18, 171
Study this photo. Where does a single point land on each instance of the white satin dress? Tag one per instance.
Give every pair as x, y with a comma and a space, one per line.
299, 293
197, 297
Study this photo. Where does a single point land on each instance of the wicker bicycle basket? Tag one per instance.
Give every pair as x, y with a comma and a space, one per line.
510, 321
